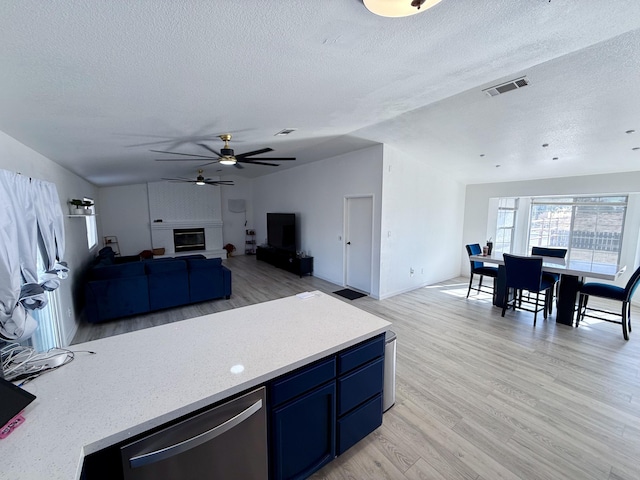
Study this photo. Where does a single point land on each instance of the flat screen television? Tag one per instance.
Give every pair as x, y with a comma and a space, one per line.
281, 231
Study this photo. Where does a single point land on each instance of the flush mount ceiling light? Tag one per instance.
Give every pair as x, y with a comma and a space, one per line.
398, 8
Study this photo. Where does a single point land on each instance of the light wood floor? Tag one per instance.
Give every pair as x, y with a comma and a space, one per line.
478, 396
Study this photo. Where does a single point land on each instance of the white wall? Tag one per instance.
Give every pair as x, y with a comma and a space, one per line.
124, 213
233, 229
422, 211
478, 198
16, 157
316, 192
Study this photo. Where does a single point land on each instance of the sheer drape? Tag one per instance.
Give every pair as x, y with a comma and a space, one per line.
29, 210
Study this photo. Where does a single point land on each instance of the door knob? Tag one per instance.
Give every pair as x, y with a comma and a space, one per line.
348, 243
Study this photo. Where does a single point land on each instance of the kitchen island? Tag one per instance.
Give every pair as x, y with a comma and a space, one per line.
141, 380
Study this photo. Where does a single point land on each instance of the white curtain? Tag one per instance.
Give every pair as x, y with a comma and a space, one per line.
29, 210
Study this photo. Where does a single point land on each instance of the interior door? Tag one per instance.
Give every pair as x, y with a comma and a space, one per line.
358, 242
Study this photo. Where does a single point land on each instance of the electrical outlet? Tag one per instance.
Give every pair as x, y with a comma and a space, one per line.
411, 272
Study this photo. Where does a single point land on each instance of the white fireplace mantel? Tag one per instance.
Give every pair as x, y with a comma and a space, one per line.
186, 224
181, 205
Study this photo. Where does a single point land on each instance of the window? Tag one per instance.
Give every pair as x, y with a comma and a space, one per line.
590, 228
48, 334
92, 228
506, 224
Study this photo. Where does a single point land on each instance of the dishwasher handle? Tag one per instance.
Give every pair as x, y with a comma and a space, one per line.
188, 444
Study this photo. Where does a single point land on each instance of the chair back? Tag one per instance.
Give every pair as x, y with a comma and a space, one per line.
632, 284
474, 249
549, 252
523, 272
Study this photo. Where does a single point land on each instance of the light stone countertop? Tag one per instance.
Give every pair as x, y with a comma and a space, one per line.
143, 379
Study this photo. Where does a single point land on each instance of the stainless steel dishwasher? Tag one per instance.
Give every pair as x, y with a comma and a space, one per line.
227, 442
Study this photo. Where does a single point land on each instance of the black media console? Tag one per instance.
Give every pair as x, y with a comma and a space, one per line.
286, 260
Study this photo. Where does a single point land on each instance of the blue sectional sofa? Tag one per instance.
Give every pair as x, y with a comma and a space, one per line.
121, 287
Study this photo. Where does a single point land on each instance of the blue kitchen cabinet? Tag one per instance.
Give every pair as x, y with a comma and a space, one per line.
321, 410
303, 421
360, 382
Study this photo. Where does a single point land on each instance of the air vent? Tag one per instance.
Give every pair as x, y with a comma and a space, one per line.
506, 87
286, 131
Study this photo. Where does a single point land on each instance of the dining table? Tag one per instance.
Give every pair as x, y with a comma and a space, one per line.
572, 274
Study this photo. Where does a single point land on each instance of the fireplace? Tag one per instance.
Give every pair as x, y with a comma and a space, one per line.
188, 239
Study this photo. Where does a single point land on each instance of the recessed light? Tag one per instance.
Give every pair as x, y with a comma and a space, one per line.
630, 131
497, 166
285, 131
635, 148
482, 155
545, 145
554, 158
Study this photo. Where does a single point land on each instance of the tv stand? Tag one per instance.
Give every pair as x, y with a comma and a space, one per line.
286, 260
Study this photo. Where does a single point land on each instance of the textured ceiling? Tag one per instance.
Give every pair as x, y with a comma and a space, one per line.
94, 85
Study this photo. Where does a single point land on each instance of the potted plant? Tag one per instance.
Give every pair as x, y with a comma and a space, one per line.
230, 248
80, 207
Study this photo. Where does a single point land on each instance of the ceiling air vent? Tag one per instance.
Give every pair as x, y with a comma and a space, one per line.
506, 87
285, 131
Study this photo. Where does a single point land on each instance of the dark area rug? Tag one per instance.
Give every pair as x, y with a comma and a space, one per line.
350, 294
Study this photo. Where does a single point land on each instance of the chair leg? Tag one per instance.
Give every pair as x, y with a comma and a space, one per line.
470, 282
629, 316
584, 307
580, 300
625, 332
505, 303
535, 309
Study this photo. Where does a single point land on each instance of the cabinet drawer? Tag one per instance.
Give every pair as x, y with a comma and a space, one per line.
297, 383
360, 385
358, 424
360, 354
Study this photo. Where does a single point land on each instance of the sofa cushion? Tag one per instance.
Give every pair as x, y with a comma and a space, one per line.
206, 280
105, 272
168, 283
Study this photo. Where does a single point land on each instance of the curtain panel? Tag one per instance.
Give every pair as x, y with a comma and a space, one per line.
29, 213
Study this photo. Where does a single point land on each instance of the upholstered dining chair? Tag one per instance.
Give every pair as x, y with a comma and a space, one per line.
610, 292
554, 278
525, 273
478, 268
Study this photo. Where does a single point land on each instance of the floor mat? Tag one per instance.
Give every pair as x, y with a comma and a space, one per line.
350, 294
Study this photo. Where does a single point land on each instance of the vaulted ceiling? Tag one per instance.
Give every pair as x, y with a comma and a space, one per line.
95, 85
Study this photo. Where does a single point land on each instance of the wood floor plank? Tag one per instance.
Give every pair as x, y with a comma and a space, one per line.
479, 396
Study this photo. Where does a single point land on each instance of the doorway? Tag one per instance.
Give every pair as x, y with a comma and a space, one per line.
358, 242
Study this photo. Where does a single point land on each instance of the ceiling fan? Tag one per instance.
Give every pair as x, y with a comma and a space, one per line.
226, 156
200, 180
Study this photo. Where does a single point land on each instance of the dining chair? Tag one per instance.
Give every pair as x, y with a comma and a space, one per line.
478, 268
552, 277
525, 273
610, 292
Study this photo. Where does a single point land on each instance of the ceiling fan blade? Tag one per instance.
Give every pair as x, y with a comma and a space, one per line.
178, 180
184, 154
228, 183
180, 159
209, 148
276, 159
259, 163
237, 165
254, 152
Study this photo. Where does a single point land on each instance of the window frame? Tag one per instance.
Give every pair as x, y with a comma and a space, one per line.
576, 201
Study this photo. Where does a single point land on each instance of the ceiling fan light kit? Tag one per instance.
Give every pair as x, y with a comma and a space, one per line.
200, 180
398, 8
